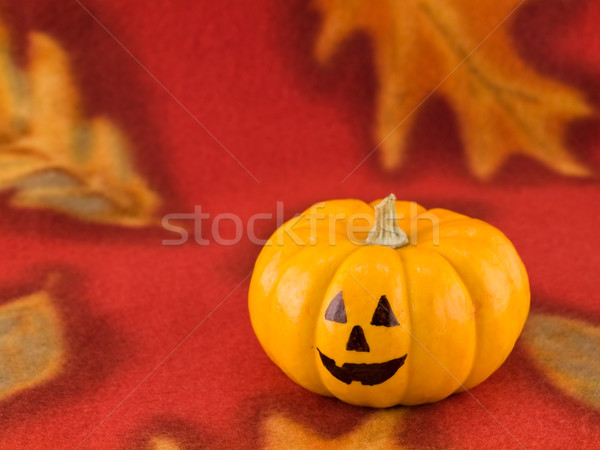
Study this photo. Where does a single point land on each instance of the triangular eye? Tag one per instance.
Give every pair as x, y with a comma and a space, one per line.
336, 311
383, 315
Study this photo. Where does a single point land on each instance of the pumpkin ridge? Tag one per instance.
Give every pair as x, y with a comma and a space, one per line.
483, 252
465, 220
290, 262
473, 308
453, 221
487, 247
281, 270
266, 304
408, 313
273, 241
495, 233
270, 302
317, 358
301, 227
452, 374
284, 264
325, 223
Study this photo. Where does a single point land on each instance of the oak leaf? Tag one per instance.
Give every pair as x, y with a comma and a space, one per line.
462, 50
31, 343
51, 156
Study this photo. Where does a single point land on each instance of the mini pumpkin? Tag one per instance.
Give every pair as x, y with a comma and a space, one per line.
377, 319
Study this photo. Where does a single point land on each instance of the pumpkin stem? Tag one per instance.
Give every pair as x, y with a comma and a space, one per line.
386, 231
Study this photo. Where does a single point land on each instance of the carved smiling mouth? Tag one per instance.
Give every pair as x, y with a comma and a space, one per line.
366, 374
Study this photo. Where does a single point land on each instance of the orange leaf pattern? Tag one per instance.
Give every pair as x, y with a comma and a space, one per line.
163, 443
31, 343
379, 431
421, 46
568, 352
51, 156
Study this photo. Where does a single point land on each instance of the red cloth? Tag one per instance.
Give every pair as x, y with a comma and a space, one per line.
245, 71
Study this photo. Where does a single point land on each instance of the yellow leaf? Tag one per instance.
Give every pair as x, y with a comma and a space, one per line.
54, 100
379, 431
568, 352
163, 443
31, 343
12, 96
52, 156
94, 189
503, 106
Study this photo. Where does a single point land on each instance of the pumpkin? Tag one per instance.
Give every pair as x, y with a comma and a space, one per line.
387, 303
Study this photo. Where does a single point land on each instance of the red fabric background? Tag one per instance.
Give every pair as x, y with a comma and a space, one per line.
245, 70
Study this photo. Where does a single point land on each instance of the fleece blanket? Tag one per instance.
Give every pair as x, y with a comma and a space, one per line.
139, 140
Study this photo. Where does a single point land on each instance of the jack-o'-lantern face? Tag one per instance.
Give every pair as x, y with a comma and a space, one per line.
366, 373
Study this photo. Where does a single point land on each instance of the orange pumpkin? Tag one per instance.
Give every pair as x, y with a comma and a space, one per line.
425, 304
